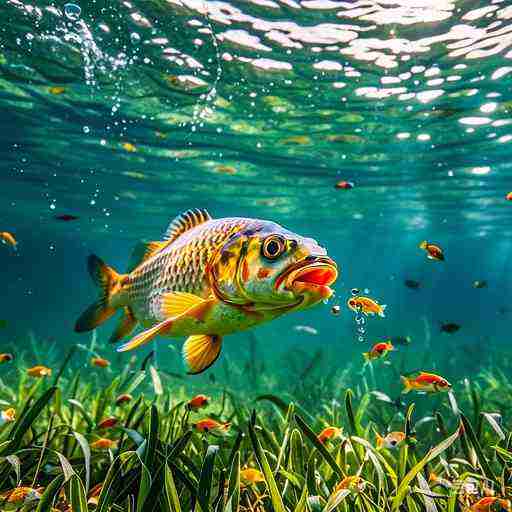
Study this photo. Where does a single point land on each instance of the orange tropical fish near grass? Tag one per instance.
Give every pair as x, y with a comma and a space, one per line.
123, 398
378, 350
434, 252
366, 305
7, 416
198, 402
108, 423
21, 496
8, 238
489, 504
204, 280
103, 444
427, 382
251, 476
329, 433
390, 440
5, 358
211, 426
39, 371
100, 362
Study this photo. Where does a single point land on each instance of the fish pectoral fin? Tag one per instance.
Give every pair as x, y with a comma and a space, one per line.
125, 326
201, 351
146, 336
181, 304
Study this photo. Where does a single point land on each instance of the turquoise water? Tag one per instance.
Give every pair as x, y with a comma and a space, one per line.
125, 114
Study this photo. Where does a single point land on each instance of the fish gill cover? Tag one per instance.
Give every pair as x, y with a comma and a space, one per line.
382, 130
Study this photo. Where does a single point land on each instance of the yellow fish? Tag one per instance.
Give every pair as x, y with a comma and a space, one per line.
208, 278
251, 476
8, 238
39, 371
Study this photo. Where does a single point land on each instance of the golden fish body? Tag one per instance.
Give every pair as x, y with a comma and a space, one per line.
208, 278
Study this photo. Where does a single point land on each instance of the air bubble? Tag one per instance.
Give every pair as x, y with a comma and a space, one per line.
135, 38
86, 129
354, 291
72, 11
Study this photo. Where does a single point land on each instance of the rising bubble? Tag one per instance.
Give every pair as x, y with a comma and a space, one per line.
72, 11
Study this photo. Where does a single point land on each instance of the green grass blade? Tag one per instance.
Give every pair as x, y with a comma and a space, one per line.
171, 494
77, 494
205, 480
50, 494
144, 487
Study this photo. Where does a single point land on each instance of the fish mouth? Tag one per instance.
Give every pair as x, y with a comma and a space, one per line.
311, 276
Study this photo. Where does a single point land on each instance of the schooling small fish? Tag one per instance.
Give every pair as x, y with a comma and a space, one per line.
489, 504
103, 444
204, 281
5, 358
329, 433
123, 398
251, 476
390, 440
379, 350
21, 496
66, 217
108, 423
7, 416
349, 482
366, 305
450, 328
479, 284
128, 146
305, 328
100, 362
344, 185
427, 382
434, 252
56, 90
8, 238
210, 426
401, 340
198, 402
336, 310
39, 371
413, 285
508, 197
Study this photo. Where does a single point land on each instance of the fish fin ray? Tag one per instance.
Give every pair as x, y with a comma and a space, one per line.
143, 251
201, 351
107, 279
407, 384
185, 221
146, 336
175, 304
126, 325
379, 440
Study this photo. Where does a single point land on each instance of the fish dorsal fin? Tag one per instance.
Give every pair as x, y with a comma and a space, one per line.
187, 220
144, 251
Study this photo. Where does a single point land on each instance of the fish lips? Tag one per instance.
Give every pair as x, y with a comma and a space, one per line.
311, 277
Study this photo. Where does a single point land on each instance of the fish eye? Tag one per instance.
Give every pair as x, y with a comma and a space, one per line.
273, 247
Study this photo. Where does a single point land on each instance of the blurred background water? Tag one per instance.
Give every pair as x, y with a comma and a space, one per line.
124, 114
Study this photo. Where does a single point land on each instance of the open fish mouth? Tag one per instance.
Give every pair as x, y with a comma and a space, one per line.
311, 276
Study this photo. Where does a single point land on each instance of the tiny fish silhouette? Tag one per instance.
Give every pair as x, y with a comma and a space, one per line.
66, 217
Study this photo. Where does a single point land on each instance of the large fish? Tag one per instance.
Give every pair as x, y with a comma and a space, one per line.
208, 278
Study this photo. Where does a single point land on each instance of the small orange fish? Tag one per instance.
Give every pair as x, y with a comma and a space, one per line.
225, 169
100, 362
251, 476
428, 382
56, 90
366, 305
108, 423
5, 358
329, 433
434, 252
378, 350
123, 398
21, 495
39, 371
508, 197
209, 426
128, 146
198, 402
8, 416
349, 482
488, 504
8, 238
94, 493
390, 440
103, 444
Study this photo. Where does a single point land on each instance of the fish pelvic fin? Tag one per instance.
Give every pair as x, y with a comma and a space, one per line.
407, 384
382, 309
125, 326
201, 351
176, 303
146, 336
109, 282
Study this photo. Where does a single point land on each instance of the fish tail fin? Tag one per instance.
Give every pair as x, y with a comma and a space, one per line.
379, 440
407, 384
423, 245
382, 309
109, 282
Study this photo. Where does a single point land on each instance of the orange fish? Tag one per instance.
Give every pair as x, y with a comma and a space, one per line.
39, 371
198, 402
8, 238
128, 146
123, 398
378, 350
5, 358
329, 433
428, 382
21, 495
56, 90
366, 305
103, 444
92, 498
108, 423
209, 426
509, 196
100, 362
349, 482
390, 440
488, 504
251, 476
7, 416
434, 252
